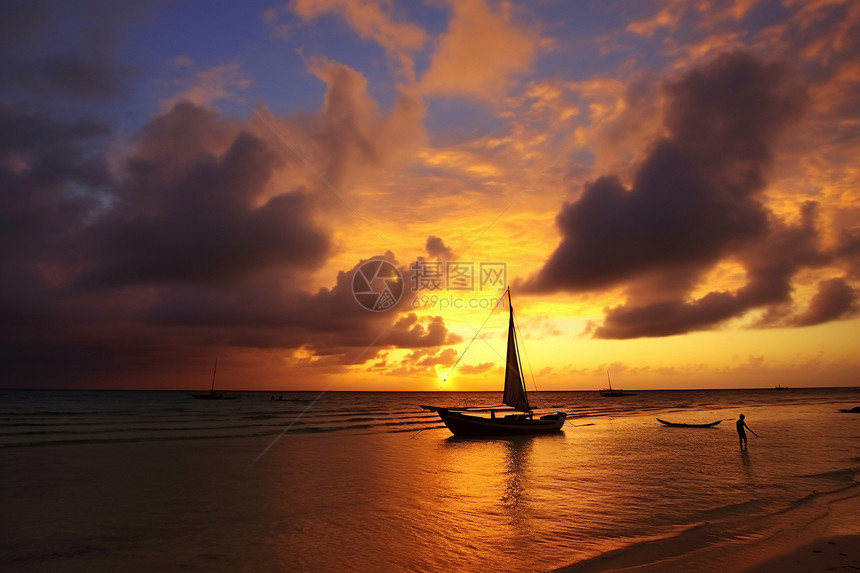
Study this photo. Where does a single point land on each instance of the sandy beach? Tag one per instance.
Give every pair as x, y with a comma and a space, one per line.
830, 544
821, 535
826, 554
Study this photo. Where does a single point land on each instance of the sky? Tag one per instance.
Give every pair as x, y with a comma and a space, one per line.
334, 194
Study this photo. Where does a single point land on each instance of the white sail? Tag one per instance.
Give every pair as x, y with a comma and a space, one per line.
515, 390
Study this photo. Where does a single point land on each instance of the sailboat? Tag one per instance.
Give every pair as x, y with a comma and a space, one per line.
613, 392
212, 394
515, 417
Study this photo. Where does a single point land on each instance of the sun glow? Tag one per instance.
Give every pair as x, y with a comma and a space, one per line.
638, 225
443, 376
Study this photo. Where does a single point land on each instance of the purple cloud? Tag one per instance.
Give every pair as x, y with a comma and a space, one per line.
694, 201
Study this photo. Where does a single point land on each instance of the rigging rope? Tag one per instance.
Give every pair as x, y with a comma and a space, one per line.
528, 362
474, 337
536, 391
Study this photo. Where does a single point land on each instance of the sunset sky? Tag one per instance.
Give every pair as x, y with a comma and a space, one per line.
672, 190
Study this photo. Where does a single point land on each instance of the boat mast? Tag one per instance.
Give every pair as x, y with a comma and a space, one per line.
515, 387
213, 375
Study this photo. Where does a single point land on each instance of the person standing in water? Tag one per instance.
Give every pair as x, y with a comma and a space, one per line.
742, 435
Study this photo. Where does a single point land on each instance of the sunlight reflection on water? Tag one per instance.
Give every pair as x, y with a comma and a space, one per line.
547, 501
384, 499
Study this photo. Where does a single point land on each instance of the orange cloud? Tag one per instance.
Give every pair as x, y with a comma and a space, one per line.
350, 137
710, 14
371, 20
741, 8
368, 19
668, 17
478, 54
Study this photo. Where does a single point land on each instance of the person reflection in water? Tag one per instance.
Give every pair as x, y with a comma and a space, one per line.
742, 435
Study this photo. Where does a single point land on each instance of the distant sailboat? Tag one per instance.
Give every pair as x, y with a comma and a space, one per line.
613, 392
212, 394
520, 421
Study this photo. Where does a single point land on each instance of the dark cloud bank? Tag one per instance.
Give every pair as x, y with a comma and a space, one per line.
126, 262
695, 200
187, 249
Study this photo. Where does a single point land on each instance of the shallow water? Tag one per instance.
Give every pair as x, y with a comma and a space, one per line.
359, 481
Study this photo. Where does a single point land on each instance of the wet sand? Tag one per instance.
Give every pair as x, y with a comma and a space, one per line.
823, 535
830, 544
826, 554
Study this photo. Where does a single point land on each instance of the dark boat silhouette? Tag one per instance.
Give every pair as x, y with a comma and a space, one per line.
613, 392
681, 425
212, 394
515, 417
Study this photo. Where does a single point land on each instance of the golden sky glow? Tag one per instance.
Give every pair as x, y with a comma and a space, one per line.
672, 191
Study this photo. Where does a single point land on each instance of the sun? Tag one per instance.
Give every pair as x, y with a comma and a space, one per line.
442, 376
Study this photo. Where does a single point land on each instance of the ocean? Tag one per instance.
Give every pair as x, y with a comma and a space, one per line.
368, 481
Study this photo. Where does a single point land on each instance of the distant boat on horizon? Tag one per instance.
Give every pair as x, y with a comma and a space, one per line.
613, 392
212, 394
778, 387
521, 421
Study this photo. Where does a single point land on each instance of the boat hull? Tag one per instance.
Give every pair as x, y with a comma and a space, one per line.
471, 426
615, 393
677, 425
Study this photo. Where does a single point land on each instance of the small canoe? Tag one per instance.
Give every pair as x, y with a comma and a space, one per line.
854, 410
677, 425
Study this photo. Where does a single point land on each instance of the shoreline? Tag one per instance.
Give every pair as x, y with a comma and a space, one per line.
831, 543
823, 554
822, 535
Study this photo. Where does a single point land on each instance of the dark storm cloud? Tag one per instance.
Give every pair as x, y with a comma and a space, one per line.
835, 299
186, 246
80, 62
267, 313
202, 222
125, 257
436, 249
848, 249
82, 247
695, 200
44, 166
409, 333
695, 195
770, 265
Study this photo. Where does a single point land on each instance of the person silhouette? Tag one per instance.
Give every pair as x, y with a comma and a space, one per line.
742, 435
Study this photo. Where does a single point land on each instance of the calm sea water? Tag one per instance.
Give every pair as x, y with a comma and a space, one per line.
158, 481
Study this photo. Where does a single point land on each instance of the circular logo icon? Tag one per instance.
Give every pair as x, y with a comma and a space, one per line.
377, 285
